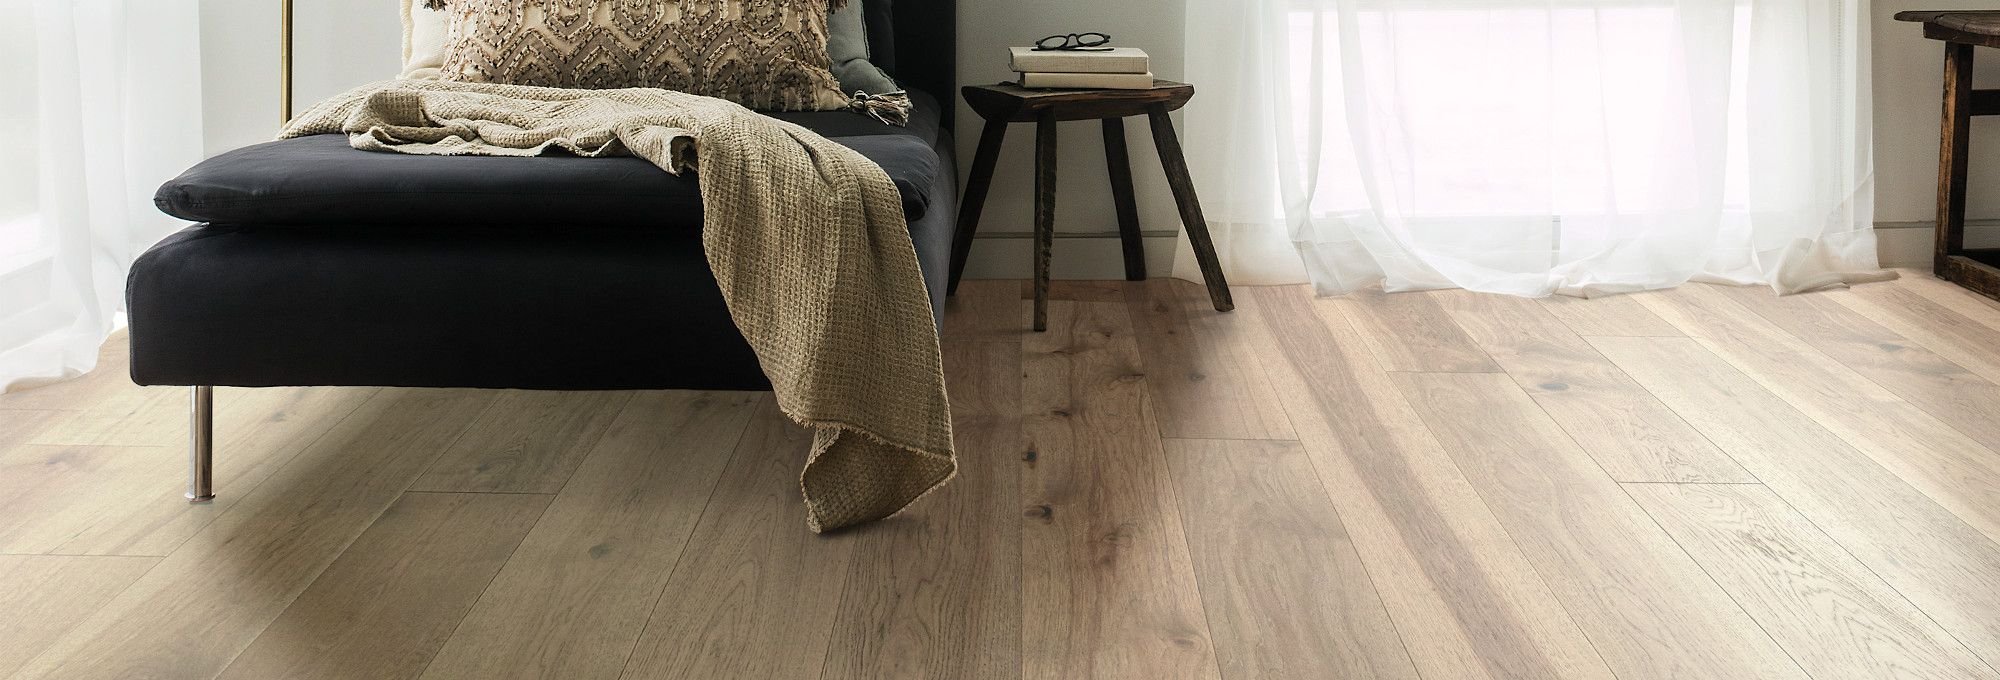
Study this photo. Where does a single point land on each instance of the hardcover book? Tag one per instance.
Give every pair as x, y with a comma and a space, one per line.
1115, 60
1092, 81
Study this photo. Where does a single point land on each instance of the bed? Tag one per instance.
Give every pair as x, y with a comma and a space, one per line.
312, 263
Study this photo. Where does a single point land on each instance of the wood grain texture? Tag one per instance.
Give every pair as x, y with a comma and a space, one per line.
387, 604
42, 596
528, 442
986, 311
1077, 541
1944, 389
1623, 427
757, 599
1611, 315
1646, 607
1956, 471
1411, 332
1930, 556
108, 500
203, 604
1285, 593
577, 593
1107, 587
1201, 366
17, 425
142, 416
1464, 599
1833, 615
1952, 323
935, 592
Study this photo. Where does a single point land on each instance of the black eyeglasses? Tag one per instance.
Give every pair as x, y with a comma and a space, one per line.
1074, 42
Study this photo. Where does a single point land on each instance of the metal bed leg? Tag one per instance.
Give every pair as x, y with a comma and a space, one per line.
201, 444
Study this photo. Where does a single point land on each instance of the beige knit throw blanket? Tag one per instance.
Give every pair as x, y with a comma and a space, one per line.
805, 236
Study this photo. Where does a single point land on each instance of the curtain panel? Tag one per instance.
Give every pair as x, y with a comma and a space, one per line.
103, 102
1535, 147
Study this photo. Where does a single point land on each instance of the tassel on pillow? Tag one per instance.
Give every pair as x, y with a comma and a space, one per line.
892, 108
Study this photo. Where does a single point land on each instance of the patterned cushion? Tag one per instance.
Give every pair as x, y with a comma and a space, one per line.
764, 54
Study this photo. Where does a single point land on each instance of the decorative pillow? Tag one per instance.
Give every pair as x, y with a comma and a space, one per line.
847, 46
424, 26
765, 54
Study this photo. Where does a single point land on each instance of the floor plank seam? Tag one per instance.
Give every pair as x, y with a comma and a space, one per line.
1428, 432
1319, 478
1693, 483
1507, 531
307, 584
1663, 402
1992, 664
1173, 486
1627, 495
474, 604
1858, 446
277, 466
1716, 582
693, 528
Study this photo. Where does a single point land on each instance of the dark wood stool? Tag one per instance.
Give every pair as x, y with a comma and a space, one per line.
1960, 31
1008, 103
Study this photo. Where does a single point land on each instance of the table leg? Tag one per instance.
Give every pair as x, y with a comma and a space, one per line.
1120, 164
975, 198
1175, 164
1954, 138
1045, 212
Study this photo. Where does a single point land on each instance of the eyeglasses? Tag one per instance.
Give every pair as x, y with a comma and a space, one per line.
1074, 42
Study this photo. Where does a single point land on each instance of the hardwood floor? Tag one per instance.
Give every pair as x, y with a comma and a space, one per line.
1698, 483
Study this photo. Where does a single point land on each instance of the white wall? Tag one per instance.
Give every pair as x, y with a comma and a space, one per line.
337, 44
986, 28
1909, 79
341, 43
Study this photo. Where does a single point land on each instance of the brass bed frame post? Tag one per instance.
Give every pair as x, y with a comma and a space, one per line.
284, 62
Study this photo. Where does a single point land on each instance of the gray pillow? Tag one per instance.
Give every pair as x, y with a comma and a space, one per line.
847, 46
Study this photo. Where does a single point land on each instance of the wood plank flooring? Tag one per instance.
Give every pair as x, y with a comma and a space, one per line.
1699, 483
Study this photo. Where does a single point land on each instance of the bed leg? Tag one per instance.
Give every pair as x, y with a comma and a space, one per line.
201, 444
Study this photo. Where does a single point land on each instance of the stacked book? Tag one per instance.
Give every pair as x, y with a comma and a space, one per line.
1118, 68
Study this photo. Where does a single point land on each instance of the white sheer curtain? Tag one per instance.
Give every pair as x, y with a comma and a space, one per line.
101, 103
1534, 147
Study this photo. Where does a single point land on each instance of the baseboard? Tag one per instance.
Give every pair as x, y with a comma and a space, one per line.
1096, 256
1909, 244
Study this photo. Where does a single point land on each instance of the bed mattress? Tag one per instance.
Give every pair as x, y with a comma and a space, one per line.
321, 181
330, 274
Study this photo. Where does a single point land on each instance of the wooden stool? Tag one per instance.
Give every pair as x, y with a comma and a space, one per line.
1960, 31
1008, 103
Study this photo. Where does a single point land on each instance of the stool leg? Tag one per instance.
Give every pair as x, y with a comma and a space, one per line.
201, 444
1045, 212
1120, 164
1197, 227
975, 198
1954, 139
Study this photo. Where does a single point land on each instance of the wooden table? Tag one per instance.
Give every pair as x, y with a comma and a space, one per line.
1961, 31
1008, 103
